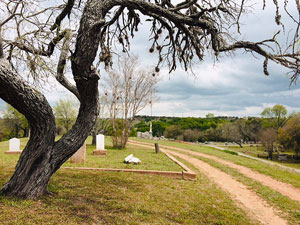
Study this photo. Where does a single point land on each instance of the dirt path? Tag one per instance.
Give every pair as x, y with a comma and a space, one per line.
285, 189
255, 206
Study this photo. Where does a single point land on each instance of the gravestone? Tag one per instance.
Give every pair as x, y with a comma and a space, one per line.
100, 142
100, 145
79, 156
14, 146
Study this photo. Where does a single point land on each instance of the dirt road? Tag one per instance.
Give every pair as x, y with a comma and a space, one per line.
245, 198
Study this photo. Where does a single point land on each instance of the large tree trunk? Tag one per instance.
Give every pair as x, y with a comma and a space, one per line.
32, 171
42, 156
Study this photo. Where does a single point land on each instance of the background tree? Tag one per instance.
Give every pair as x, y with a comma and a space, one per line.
192, 135
158, 128
277, 115
268, 137
289, 134
15, 122
128, 90
34, 34
210, 115
173, 132
252, 128
4, 131
232, 132
65, 112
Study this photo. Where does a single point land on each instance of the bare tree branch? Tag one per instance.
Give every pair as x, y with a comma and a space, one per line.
42, 52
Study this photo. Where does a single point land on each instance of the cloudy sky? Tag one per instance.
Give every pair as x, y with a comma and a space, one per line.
231, 86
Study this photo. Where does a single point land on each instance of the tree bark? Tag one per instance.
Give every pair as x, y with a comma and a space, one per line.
32, 171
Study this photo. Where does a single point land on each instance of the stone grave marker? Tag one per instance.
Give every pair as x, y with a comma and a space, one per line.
100, 145
14, 146
79, 156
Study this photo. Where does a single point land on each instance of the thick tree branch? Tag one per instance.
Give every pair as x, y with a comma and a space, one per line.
66, 11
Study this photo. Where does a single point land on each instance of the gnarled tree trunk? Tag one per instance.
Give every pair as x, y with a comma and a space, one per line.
42, 156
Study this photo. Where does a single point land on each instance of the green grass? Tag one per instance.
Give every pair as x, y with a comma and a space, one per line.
274, 171
246, 149
114, 159
97, 197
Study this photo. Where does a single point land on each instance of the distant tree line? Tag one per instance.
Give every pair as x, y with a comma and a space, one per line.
202, 129
274, 129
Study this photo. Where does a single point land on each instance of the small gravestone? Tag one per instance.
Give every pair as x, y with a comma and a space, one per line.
79, 156
14, 146
100, 150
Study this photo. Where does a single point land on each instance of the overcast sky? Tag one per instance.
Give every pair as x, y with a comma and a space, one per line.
232, 86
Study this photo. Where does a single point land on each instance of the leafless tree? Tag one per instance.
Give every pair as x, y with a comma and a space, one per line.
268, 137
37, 37
232, 132
128, 90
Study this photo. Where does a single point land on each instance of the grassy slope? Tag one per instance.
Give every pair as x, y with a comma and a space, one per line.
90, 197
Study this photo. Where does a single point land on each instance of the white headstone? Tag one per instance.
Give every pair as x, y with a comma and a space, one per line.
14, 144
100, 142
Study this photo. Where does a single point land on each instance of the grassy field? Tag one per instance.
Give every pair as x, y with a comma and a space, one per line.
114, 159
246, 149
97, 197
118, 198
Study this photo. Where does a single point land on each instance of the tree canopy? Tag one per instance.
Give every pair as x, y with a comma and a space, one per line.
277, 115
